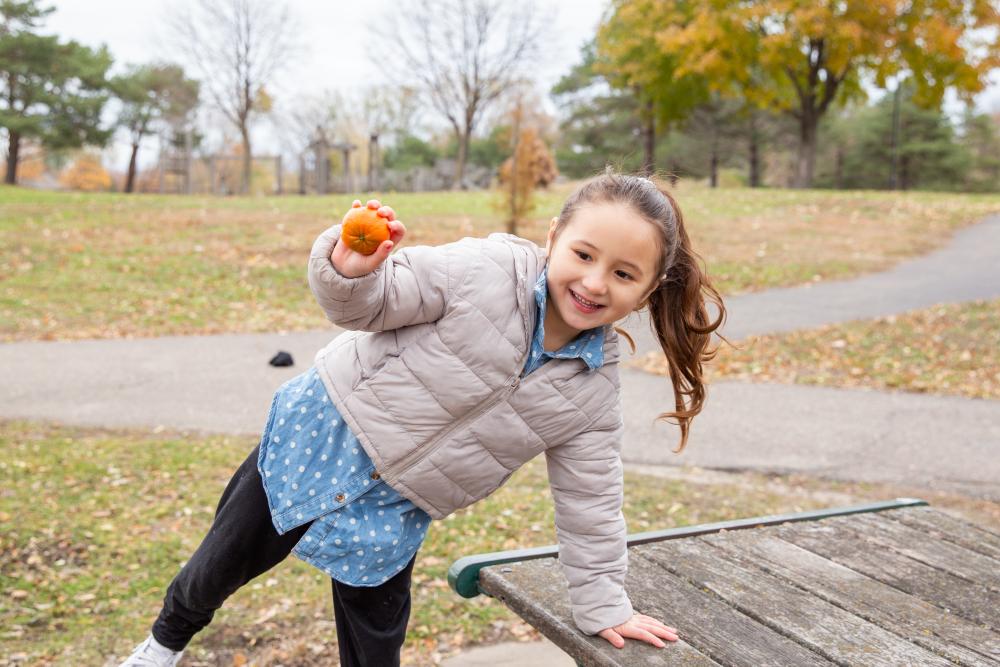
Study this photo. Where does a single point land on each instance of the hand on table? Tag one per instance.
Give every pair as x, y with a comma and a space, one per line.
645, 628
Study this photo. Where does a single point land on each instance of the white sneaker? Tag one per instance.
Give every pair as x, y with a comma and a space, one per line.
151, 653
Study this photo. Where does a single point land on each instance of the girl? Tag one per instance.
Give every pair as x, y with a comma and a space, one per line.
461, 362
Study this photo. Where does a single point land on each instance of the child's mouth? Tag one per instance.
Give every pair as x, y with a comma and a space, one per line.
583, 305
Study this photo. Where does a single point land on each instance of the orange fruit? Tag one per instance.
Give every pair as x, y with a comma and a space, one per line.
364, 230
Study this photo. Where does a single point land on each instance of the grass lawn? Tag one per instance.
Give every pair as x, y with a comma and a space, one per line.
947, 349
78, 265
94, 523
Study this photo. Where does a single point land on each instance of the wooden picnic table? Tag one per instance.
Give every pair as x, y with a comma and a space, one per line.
892, 583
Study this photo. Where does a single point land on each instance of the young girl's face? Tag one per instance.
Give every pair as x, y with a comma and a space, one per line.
600, 268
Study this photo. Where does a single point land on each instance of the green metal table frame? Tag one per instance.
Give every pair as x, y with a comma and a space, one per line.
463, 575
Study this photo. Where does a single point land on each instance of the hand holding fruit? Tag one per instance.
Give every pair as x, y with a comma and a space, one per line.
368, 236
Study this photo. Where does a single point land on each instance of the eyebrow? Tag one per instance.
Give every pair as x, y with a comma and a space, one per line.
635, 267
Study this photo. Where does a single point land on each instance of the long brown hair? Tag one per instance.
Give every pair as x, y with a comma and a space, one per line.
678, 301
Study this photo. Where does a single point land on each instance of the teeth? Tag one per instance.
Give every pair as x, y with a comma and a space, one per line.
584, 301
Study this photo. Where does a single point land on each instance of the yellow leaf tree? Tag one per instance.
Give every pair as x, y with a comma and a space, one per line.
627, 57
801, 57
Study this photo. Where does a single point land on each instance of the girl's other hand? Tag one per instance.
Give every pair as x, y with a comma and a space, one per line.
353, 264
646, 628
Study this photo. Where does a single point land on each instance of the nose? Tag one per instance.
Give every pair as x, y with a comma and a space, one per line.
595, 284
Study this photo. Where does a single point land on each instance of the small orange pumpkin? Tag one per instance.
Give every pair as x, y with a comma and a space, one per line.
364, 230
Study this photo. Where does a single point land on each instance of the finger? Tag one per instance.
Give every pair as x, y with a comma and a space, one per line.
383, 251
613, 637
387, 212
644, 635
653, 621
396, 231
373, 204
661, 632
356, 204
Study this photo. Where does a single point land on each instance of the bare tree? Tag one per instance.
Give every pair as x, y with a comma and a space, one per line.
309, 115
463, 53
237, 47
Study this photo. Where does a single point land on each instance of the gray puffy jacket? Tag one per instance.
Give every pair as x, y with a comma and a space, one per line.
428, 378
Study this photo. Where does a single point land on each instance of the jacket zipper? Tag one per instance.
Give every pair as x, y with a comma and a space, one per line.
408, 461
403, 466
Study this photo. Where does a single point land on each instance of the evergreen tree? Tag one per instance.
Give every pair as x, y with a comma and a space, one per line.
981, 139
859, 151
410, 152
50, 91
601, 125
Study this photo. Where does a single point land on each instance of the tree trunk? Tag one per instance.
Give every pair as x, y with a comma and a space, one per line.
130, 178
247, 161
649, 141
838, 174
807, 148
713, 177
463, 151
372, 158
13, 148
754, 152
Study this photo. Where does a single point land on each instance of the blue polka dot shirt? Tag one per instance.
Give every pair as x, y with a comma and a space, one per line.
315, 470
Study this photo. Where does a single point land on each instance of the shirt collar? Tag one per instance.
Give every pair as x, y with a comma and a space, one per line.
587, 346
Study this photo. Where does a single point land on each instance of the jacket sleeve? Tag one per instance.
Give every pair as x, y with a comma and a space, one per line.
410, 287
586, 479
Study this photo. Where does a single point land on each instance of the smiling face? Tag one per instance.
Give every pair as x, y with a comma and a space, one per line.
601, 267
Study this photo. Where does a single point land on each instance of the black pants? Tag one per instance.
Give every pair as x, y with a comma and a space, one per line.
242, 544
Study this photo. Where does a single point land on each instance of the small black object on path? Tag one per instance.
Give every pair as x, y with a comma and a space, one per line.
282, 359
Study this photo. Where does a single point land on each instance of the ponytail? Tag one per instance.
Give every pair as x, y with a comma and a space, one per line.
680, 318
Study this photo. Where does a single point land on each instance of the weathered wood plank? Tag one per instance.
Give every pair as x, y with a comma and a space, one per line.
837, 542
946, 527
704, 623
920, 546
536, 591
918, 621
836, 634
707, 623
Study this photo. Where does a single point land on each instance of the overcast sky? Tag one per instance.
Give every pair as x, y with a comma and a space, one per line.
333, 34
333, 39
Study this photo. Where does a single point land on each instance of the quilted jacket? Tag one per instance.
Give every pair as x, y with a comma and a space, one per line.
428, 378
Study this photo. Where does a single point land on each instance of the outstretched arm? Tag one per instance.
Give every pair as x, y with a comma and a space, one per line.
585, 476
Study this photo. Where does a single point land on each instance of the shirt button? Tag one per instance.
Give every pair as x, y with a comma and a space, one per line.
375, 475
340, 497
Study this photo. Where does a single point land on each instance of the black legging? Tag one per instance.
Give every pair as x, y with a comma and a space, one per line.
242, 544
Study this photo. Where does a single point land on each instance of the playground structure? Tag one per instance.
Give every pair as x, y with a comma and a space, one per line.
315, 169
181, 173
